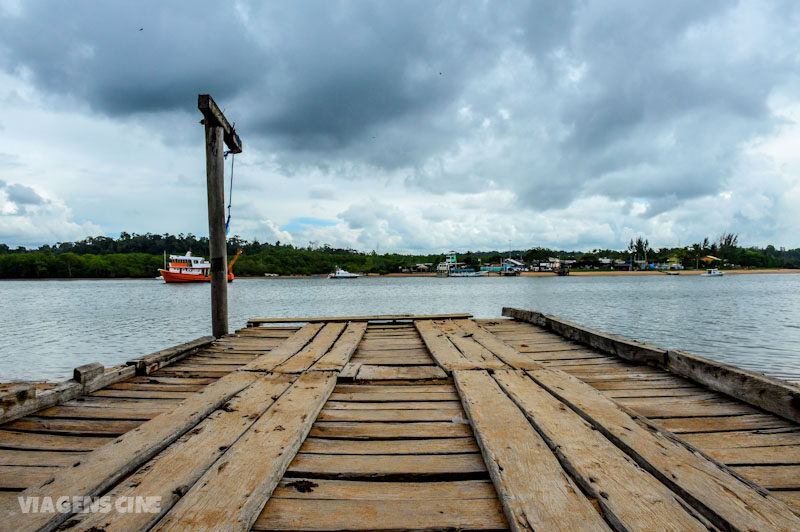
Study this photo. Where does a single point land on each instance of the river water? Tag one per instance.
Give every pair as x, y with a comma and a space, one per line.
49, 327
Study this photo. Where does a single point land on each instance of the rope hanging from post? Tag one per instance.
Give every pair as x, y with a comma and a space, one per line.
230, 193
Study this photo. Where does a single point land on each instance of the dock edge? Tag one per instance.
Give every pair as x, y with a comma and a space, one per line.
768, 393
23, 399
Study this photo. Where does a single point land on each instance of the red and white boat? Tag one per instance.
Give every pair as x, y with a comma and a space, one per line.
190, 269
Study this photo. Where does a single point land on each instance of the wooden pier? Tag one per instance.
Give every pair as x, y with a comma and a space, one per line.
406, 423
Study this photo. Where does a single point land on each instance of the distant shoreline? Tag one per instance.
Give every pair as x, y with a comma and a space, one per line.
598, 273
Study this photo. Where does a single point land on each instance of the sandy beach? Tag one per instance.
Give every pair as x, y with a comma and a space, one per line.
598, 273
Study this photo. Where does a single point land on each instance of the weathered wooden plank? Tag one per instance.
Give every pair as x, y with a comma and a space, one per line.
343, 349
214, 118
190, 373
20, 477
218, 364
404, 347
608, 343
790, 497
552, 347
29, 401
655, 392
231, 494
379, 317
590, 364
142, 394
394, 361
177, 468
129, 411
376, 466
500, 349
312, 352
355, 490
473, 351
432, 514
156, 387
782, 454
740, 438
656, 407
383, 342
149, 363
166, 380
722, 497
630, 497
188, 366
441, 348
285, 350
773, 395
396, 446
226, 356
391, 415
9, 496
772, 476
386, 431
403, 355
103, 468
350, 370
577, 354
39, 458
75, 427
368, 372
392, 387
622, 383
11, 439
683, 425
523, 469
374, 351
15, 393
394, 405
377, 397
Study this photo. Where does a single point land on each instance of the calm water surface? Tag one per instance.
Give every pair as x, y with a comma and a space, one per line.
49, 327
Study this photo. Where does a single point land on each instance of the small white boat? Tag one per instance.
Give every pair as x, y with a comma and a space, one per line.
342, 274
467, 273
712, 272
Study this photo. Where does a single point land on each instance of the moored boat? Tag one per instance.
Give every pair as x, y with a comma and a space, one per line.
712, 272
339, 273
467, 272
452, 268
190, 269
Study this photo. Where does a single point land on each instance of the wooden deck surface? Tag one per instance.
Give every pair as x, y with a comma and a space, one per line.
427, 424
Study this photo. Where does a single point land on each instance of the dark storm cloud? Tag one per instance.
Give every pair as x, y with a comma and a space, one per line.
552, 101
130, 57
22, 195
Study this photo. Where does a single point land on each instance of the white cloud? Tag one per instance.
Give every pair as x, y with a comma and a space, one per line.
28, 216
418, 127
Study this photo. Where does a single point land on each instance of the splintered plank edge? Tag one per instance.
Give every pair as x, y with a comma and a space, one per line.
233, 492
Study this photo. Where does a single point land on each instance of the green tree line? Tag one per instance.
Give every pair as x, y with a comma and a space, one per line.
133, 255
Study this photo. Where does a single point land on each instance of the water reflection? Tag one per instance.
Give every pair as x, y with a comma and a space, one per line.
49, 327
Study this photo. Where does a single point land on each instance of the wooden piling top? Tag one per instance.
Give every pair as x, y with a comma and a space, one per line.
403, 423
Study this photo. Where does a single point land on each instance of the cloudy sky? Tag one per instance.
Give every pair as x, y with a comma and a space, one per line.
405, 126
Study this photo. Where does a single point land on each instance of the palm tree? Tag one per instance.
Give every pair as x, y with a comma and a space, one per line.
632, 250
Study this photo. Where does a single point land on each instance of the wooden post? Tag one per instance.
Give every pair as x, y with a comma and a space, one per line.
215, 181
218, 134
